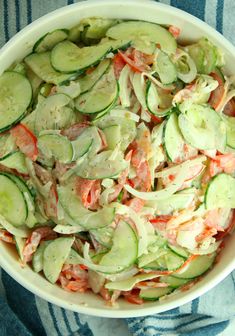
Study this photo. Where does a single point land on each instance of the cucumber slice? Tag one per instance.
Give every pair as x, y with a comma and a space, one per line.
13, 206
173, 282
20, 244
124, 251
165, 68
220, 192
203, 128
7, 145
54, 257
89, 80
198, 56
128, 284
57, 146
48, 41
103, 236
112, 135
15, 160
96, 26
168, 261
81, 146
102, 95
230, 125
15, 97
180, 251
128, 127
68, 57
80, 215
29, 199
153, 101
153, 294
73, 258
53, 113
102, 166
144, 31
37, 261
117, 45
22, 232
205, 55
196, 267
40, 64
173, 139
177, 201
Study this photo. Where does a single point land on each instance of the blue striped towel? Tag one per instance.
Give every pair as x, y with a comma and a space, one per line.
24, 314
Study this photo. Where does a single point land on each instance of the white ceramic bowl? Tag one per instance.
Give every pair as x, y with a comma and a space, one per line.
18, 47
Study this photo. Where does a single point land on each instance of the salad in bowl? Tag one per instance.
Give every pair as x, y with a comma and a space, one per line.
117, 158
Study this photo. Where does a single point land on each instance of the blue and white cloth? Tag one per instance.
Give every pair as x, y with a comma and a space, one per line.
24, 314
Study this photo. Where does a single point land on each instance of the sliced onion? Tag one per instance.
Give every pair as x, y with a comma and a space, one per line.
124, 114
157, 82
175, 169
160, 194
139, 87
192, 73
212, 248
125, 91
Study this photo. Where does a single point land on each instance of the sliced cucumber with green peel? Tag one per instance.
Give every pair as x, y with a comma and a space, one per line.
81, 146
73, 258
165, 68
82, 216
173, 139
128, 127
54, 257
40, 64
96, 26
203, 128
20, 244
128, 284
101, 96
15, 160
7, 145
220, 192
179, 251
37, 261
15, 97
49, 40
102, 166
68, 57
112, 135
196, 267
89, 80
117, 45
103, 235
54, 113
173, 282
177, 201
124, 251
21, 231
56, 146
168, 261
204, 54
144, 31
153, 294
12, 206
153, 100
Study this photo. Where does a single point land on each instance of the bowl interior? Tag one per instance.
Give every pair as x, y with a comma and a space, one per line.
21, 45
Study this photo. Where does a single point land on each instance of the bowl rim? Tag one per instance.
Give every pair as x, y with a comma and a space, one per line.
106, 311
